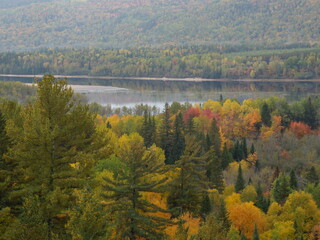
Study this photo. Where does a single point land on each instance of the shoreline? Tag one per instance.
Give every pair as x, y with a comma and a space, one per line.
162, 79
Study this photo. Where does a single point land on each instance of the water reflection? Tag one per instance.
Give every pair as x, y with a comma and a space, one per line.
124, 92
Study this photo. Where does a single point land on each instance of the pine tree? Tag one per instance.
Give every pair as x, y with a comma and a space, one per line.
214, 171
244, 148
187, 189
243, 237
215, 137
252, 149
178, 138
226, 157
123, 192
312, 175
190, 126
239, 186
53, 149
265, 115
166, 135
109, 125
255, 233
293, 180
281, 189
206, 206
261, 202
310, 114
5, 167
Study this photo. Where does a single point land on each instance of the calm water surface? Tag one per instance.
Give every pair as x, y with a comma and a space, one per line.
124, 92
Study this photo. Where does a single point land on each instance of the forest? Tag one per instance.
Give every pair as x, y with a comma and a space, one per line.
208, 62
221, 170
35, 24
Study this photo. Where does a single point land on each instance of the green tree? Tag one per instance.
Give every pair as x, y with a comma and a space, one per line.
53, 150
255, 233
215, 137
188, 187
178, 138
206, 206
226, 157
312, 175
124, 192
281, 189
214, 171
252, 149
166, 135
239, 186
293, 180
310, 114
265, 115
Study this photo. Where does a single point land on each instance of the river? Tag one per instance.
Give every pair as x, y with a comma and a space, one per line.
119, 92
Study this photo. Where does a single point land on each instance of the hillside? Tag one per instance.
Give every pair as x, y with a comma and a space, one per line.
30, 24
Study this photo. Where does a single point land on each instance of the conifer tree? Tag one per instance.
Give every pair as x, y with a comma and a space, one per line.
243, 237
293, 180
5, 167
281, 189
252, 149
166, 135
261, 202
187, 189
123, 192
244, 148
226, 157
255, 233
190, 126
239, 186
53, 150
206, 206
310, 114
214, 171
265, 115
178, 138
312, 175
215, 137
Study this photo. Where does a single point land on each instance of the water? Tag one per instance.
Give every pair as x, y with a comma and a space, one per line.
124, 92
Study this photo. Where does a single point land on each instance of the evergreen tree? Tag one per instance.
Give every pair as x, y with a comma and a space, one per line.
5, 167
244, 148
310, 114
238, 154
312, 175
215, 137
123, 192
255, 233
109, 125
166, 135
187, 189
178, 138
223, 215
265, 115
261, 202
239, 186
281, 189
293, 180
252, 149
206, 206
56, 137
190, 126
243, 237
226, 157
214, 171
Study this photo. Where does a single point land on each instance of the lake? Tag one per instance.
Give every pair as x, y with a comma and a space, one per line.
129, 92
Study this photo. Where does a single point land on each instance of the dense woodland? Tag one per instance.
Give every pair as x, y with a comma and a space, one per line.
222, 170
34, 24
255, 62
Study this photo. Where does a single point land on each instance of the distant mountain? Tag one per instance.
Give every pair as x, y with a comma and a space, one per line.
31, 24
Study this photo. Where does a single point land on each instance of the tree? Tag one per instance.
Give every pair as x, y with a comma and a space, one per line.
310, 114
265, 115
166, 135
123, 192
281, 189
188, 187
178, 138
312, 175
239, 186
206, 206
293, 180
5, 167
53, 150
226, 157
252, 149
214, 171
255, 233
244, 148
215, 137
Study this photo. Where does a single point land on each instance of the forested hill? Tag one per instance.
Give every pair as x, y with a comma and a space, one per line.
29, 24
